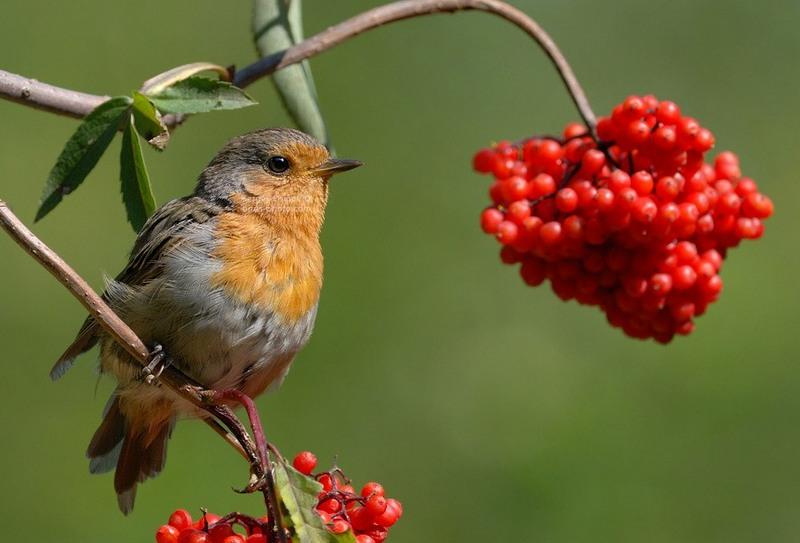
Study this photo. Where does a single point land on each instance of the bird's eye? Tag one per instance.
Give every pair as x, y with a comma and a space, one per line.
278, 164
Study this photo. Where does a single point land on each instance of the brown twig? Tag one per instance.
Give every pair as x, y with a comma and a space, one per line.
75, 104
170, 376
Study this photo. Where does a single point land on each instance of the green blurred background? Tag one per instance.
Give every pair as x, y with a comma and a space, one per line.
494, 411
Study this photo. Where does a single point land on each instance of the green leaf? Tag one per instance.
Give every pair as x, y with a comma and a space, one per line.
137, 193
297, 494
200, 94
82, 151
148, 122
277, 25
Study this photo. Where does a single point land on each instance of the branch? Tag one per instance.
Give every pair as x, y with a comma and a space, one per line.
75, 104
35, 94
171, 377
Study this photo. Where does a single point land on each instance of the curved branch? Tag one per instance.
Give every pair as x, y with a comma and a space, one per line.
75, 104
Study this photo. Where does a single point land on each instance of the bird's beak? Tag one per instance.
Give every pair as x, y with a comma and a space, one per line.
336, 165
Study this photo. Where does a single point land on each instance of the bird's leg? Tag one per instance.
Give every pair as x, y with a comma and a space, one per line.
157, 362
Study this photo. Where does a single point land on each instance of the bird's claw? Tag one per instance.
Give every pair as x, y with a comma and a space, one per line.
158, 361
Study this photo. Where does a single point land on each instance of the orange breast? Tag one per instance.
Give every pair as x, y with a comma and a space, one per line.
281, 273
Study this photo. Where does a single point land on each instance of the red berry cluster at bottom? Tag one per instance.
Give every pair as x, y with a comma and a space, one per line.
369, 514
210, 528
634, 222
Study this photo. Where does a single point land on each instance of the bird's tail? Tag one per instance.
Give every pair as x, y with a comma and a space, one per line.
138, 451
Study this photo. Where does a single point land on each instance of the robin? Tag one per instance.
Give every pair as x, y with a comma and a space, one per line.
225, 280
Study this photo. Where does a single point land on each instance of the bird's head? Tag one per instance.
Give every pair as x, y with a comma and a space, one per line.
280, 174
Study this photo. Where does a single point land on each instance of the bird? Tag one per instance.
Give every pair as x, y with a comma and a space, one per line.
225, 280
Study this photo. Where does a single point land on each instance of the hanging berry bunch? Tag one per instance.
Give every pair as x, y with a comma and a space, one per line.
635, 222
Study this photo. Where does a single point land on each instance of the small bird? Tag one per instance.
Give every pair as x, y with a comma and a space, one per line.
226, 281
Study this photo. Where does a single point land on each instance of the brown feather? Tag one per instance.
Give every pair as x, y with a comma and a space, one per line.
109, 433
139, 459
86, 339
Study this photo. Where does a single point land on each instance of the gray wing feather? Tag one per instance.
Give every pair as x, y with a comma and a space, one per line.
161, 233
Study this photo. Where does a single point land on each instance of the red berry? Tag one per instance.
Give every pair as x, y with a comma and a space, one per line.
592, 161
372, 488
340, 526
514, 188
192, 535
490, 220
181, 519
533, 272
326, 482
543, 185
305, 461
235, 538
256, 538
484, 161
637, 132
667, 188
507, 232
167, 534
331, 505
642, 183
684, 277
519, 211
644, 210
618, 180
665, 138
389, 516
757, 205
661, 283
550, 233
376, 505
686, 252
364, 538
566, 200
668, 112
633, 107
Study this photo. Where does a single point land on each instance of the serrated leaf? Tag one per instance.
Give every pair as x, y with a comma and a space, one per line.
137, 193
82, 151
199, 95
297, 494
277, 25
148, 122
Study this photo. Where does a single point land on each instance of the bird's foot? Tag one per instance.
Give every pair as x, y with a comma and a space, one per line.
158, 361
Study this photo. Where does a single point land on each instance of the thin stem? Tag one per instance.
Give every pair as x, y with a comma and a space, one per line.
75, 104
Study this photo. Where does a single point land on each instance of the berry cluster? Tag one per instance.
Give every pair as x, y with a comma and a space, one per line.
634, 222
369, 514
211, 528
